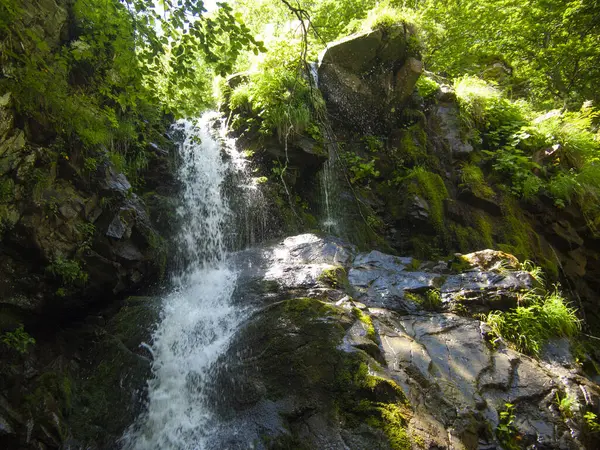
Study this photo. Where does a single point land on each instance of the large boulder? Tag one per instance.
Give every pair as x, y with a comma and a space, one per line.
366, 79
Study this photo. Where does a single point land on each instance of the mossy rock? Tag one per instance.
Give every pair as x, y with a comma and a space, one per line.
297, 359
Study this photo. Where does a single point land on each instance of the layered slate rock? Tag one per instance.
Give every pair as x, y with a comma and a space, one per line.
338, 354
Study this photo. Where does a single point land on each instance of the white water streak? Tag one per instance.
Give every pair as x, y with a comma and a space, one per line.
198, 319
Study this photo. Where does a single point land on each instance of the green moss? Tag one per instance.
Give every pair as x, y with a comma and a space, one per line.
475, 238
308, 363
413, 145
365, 319
485, 229
460, 264
427, 247
7, 187
375, 401
413, 266
472, 178
430, 299
335, 277
518, 238
431, 187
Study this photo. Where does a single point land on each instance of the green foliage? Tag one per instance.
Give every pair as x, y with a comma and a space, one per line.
278, 93
555, 153
545, 49
506, 430
534, 270
565, 405
384, 17
18, 339
125, 64
427, 87
87, 231
360, 168
484, 108
540, 317
68, 270
592, 422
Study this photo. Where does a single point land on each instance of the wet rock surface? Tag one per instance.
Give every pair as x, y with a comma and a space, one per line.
323, 309
81, 388
365, 77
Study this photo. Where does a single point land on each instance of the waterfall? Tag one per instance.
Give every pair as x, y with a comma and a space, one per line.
198, 318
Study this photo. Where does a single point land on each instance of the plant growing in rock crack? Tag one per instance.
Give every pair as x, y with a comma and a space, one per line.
506, 432
69, 272
565, 405
87, 231
430, 300
18, 339
538, 318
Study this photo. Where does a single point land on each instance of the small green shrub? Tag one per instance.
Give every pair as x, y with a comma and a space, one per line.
68, 270
360, 169
506, 430
18, 339
427, 87
542, 317
591, 421
565, 405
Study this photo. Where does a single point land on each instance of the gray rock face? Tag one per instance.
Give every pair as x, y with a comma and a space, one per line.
457, 382
365, 77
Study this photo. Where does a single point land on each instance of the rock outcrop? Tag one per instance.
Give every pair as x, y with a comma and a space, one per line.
367, 79
338, 354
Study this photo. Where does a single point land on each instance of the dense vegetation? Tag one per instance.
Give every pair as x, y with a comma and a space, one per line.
102, 73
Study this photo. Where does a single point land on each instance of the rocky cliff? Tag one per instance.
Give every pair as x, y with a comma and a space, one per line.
76, 236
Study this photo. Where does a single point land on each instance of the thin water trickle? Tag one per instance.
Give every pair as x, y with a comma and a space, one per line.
198, 319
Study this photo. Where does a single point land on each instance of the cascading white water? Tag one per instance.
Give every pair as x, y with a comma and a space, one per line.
198, 319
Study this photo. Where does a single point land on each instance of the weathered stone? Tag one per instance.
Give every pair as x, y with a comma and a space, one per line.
456, 381
365, 77
492, 260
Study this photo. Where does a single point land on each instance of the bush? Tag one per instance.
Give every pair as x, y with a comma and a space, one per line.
566, 149
427, 87
278, 92
68, 270
18, 339
384, 17
542, 317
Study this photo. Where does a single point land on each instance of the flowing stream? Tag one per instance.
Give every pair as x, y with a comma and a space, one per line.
198, 318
